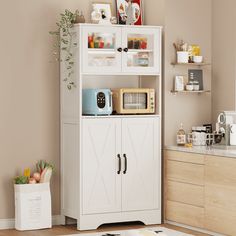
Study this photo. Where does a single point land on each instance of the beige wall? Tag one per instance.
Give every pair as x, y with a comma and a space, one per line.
224, 56
190, 21
29, 91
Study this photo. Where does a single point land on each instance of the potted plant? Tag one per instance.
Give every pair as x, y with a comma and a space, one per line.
64, 41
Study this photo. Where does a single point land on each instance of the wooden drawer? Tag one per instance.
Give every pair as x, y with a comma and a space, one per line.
185, 193
184, 157
185, 172
185, 214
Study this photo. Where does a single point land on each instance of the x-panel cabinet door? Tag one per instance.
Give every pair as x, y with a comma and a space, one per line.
101, 49
101, 184
140, 148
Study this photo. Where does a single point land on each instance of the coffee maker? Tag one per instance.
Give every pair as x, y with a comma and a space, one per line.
223, 127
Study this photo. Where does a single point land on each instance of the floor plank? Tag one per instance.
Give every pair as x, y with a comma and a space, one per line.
71, 229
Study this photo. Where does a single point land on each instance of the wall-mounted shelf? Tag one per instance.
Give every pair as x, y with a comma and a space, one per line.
190, 64
189, 92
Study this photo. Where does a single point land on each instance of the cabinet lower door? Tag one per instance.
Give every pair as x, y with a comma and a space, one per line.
141, 147
101, 185
220, 192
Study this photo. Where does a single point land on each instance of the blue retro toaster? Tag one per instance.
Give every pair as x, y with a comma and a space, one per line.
96, 102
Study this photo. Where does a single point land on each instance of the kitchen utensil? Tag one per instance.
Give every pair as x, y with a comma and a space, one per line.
96, 102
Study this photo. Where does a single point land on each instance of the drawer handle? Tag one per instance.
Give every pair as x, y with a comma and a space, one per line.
119, 49
125, 49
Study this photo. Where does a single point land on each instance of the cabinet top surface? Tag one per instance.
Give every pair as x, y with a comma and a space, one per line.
116, 25
213, 151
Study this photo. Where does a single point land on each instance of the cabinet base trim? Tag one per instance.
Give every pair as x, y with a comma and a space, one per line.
90, 222
192, 228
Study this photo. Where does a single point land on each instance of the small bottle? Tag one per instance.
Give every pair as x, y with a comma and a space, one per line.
181, 136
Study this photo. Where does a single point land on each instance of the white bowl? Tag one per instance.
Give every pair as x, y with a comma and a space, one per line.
197, 59
189, 87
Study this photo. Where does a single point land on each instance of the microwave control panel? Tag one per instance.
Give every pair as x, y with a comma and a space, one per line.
152, 101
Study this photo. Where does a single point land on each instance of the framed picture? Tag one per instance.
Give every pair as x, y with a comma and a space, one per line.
196, 75
179, 83
101, 11
129, 12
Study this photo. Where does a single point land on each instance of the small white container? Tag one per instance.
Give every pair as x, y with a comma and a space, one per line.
197, 136
197, 59
196, 85
189, 87
182, 57
203, 136
32, 206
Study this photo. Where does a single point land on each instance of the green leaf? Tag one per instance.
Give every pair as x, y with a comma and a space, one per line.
21, 179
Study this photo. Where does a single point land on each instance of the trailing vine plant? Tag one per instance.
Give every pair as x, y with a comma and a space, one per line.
64, 41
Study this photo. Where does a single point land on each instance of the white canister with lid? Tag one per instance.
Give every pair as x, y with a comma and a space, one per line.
196, 136
196, 85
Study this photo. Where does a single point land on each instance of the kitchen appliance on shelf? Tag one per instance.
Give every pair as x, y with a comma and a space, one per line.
226, 128
133, 100
96, 102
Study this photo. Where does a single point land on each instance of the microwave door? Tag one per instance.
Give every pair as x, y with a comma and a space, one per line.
135, 101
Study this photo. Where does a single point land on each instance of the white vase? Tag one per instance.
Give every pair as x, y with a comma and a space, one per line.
182, 57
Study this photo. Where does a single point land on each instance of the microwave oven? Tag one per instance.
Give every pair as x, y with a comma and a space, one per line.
133, 100
96, 102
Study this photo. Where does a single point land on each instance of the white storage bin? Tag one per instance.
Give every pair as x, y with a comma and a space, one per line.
32, 206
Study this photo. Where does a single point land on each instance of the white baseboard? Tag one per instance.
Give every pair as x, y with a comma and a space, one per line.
10, 223
193, 228
7, 223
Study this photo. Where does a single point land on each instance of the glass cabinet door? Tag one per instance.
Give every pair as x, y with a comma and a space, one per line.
101, 50
141, 50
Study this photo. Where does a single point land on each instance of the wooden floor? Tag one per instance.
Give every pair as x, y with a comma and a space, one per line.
71, 229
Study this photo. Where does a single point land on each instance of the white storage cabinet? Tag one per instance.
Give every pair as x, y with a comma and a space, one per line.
111, 165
